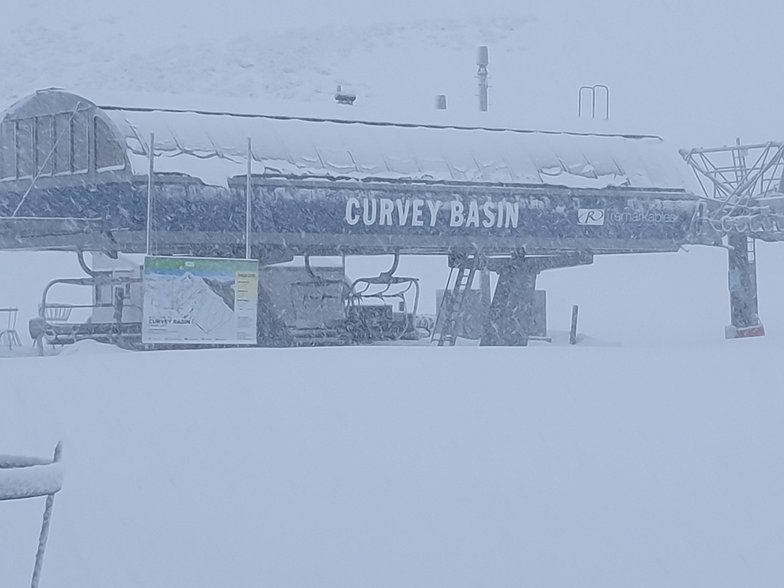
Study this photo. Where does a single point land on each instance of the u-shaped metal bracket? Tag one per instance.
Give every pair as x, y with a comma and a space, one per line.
592, 92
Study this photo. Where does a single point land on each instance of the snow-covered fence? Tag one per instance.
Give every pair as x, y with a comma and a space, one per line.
30, 477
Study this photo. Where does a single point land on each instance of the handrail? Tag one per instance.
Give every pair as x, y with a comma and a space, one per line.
30, 477
105, 280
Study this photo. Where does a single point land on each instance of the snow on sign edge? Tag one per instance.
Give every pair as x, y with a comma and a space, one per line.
30, 482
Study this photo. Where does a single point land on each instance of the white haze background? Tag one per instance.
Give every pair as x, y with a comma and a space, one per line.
648, 456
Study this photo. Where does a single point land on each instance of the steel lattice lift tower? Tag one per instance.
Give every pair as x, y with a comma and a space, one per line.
744, 201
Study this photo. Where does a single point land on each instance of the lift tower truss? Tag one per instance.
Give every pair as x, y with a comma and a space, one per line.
742, 186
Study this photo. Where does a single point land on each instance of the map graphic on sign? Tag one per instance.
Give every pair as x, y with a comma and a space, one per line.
200, 301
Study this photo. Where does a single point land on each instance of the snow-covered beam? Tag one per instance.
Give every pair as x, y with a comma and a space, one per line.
29, 477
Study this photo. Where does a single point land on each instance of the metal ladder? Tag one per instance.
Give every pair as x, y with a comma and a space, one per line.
452, 303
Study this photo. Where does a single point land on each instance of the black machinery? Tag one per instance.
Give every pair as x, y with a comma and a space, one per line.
83, 177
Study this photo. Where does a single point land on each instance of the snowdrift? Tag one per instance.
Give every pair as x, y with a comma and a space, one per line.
419, 467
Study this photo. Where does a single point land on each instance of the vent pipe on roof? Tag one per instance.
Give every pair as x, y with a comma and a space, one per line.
441, 102
482, 60
344, 96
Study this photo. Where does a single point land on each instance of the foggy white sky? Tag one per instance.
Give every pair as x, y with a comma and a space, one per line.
735, 22
698, 72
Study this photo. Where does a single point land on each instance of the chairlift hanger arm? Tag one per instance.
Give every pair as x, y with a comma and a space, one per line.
308, 267
395, 262
93, 273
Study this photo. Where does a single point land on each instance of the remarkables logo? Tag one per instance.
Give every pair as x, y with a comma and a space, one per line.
597, 217
590, 217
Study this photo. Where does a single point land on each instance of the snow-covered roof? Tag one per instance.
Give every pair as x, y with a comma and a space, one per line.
214, 146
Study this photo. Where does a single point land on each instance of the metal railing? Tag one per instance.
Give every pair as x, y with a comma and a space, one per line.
31, 477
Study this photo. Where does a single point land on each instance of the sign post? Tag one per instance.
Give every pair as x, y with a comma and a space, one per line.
149, 192
573, 329
248, 201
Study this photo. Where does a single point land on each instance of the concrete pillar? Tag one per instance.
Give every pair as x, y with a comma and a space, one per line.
510, 317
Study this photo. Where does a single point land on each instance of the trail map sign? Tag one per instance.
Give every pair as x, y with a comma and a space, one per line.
200, 301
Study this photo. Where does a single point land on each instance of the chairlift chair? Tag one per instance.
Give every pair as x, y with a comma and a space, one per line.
309, 297
383, 307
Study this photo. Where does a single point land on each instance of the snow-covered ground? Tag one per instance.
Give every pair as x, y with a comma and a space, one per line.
403, 467
648, 455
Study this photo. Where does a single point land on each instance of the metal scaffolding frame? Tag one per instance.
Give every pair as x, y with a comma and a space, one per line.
740, 182
742, 186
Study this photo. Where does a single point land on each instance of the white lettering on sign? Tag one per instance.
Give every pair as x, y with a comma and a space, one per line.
457, 218
471, 213
650, 216
387, 208
352, 216
369, 211
472, 220
511, 214
416, 220
415, 212
403, 208
490, 215
434, 206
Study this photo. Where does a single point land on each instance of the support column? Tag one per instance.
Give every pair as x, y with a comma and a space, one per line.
511, 314
744, 308
511, 311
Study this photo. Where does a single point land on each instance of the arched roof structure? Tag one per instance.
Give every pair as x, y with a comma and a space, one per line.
214, 146
77, 171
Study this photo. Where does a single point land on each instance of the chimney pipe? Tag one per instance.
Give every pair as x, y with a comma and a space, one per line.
482, 60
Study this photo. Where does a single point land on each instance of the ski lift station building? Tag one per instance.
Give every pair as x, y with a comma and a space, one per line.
76, 175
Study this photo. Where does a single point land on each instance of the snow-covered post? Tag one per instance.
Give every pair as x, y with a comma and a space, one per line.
248, 201
149, 192
27, 477
573, 330
44, 536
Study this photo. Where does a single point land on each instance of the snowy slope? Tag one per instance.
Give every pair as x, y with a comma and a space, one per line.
394, 467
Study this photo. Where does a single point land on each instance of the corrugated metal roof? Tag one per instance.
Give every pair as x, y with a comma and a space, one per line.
213, 146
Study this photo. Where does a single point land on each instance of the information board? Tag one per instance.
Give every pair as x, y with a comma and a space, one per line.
200, 301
